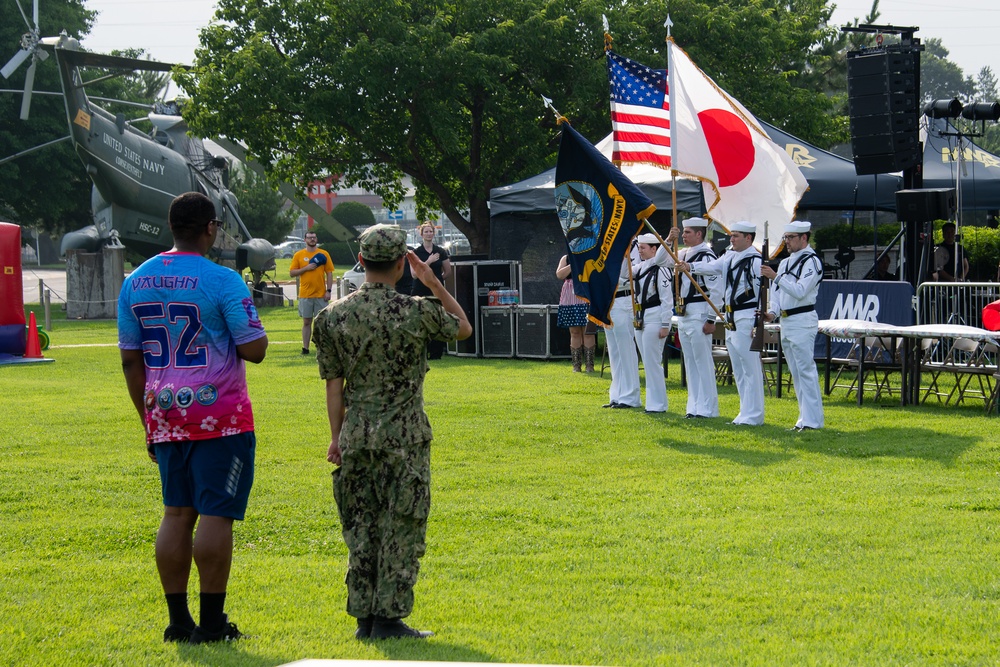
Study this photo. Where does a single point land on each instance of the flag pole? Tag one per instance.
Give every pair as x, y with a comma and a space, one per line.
560, 119
673, 255
678, 299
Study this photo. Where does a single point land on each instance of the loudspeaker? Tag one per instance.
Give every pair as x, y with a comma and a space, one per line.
498, 331
882, 103
925, 205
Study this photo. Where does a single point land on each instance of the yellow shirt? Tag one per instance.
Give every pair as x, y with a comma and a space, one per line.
312, 284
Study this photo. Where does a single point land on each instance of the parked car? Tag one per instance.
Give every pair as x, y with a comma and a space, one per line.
286, 249
356, 276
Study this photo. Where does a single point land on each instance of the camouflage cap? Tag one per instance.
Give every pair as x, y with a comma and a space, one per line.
383, 243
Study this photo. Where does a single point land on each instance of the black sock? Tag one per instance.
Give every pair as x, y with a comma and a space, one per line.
212, 604
177, 607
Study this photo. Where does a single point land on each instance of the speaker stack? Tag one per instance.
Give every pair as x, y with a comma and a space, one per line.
882, 102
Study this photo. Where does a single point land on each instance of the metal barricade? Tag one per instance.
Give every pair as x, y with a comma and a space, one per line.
954, 303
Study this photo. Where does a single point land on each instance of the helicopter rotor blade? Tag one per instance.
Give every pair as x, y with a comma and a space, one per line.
34, 13
86, 59
23, 15
29, 83
15, 62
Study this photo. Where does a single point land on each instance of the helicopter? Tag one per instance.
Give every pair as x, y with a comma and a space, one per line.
137, 174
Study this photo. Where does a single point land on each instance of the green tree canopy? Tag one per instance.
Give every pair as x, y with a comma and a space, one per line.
262, 207
448, 92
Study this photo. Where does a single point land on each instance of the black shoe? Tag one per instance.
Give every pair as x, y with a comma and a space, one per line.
805, 428
364, 630
227, 633
622, 406
305, 350
690, 415
610, 405
394, 628
655, 412
176, 633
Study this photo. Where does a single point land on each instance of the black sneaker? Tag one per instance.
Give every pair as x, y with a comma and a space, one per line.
227, 633
176, 633
394, 628
305, 350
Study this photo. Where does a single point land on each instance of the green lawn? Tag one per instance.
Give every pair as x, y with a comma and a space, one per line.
559, 532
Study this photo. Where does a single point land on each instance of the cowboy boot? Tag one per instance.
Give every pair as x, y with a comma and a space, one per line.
577, 353
588, 356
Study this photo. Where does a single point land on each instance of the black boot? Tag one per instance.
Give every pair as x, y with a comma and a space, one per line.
364, 630
394, 628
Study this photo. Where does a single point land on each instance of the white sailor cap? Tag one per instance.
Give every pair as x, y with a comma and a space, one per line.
648, 239
743, 226
696, 222
798, 227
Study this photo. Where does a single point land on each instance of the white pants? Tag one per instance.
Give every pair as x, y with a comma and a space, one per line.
798, 340
621, 353
696, 348
748, 373
651, 348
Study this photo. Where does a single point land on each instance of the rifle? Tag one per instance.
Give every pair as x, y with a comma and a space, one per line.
757, 344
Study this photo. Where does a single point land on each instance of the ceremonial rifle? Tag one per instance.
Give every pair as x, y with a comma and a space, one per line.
757, 344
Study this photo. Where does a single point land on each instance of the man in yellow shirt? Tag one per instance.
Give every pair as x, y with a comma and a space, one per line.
313, 267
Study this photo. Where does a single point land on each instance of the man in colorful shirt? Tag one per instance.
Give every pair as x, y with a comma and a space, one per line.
185, 328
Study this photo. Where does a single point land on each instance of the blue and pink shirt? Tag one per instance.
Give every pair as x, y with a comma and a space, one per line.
187, 315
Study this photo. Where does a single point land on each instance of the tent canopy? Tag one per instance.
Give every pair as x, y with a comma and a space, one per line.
980, 178
833, 184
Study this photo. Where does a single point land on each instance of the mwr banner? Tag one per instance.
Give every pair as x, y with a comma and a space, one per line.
600, 211
870, 300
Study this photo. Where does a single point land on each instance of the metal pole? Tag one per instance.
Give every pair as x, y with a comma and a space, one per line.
47, 302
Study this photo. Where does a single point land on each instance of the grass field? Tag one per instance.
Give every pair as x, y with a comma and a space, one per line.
559, 532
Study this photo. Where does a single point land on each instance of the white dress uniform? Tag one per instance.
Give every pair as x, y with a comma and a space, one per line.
620, 338
740, 272
653, 289
795, 287
696, 346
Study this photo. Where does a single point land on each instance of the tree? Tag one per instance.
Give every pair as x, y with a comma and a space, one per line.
262, 207
940, 78
48, 189
448, 92
355, 215
986, 85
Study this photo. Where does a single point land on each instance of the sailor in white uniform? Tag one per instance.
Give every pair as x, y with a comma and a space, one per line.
653, 290
793, 300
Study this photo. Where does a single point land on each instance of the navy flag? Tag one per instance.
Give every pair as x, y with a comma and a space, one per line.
600, 211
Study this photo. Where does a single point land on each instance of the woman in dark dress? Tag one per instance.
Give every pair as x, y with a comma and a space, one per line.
437, 258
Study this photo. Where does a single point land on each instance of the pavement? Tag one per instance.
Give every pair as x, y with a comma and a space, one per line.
55, 281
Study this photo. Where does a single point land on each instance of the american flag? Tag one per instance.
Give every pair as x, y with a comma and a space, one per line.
640, 112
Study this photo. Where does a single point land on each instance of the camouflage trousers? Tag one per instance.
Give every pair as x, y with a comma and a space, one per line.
383, 498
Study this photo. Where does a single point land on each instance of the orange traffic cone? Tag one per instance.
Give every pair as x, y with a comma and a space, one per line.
34, 348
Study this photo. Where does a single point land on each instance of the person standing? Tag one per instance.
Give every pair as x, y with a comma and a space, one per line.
950, 263
696, 323
572, 315
620, 339
437, 258
186, 327
371, 353
795, 286
740, 271
653, 291
313, 266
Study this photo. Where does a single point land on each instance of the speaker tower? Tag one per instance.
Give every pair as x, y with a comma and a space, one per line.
882, 101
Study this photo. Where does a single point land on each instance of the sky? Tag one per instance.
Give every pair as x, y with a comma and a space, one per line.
970, 29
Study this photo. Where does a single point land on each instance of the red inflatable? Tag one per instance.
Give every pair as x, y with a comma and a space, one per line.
991, 316
12, 332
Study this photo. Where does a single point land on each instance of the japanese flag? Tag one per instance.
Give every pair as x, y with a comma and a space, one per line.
716, 140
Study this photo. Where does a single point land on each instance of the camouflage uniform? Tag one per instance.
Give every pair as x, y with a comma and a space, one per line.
376, 339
